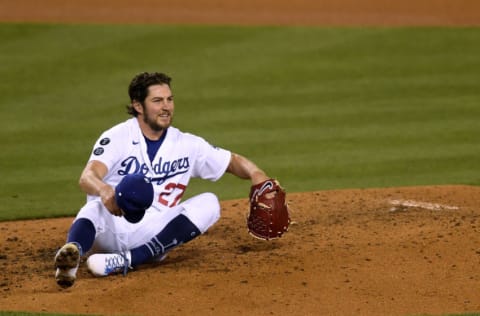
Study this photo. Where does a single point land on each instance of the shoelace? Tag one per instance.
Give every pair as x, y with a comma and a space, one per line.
116, 263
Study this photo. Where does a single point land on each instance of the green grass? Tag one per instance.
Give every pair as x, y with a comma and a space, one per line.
318, 108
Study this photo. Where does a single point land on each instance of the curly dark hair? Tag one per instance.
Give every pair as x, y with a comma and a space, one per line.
138, 88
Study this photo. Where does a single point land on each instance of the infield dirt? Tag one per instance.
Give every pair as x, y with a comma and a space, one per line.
395, 251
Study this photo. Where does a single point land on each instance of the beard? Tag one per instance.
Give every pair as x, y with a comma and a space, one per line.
152, 123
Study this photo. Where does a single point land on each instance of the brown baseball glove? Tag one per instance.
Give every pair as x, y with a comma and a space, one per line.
268, 217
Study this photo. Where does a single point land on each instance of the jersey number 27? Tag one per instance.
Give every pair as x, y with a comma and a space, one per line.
170, 188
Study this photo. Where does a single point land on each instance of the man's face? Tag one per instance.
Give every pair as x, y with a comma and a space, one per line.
159, 106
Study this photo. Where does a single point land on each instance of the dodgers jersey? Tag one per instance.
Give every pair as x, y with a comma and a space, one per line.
181, 156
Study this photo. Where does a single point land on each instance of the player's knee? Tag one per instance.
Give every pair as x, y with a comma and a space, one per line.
203, 210
211, 210
92, 211
214, 204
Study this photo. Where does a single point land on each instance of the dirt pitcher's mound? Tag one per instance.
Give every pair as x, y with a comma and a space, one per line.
398, 251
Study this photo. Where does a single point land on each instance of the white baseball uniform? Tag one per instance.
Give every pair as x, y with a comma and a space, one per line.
181, 156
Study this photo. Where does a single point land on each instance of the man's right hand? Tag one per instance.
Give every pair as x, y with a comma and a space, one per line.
107, 194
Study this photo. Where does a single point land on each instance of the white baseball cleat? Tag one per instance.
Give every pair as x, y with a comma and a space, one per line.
67, 261
103, 264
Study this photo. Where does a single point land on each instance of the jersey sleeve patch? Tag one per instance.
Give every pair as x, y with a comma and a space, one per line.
105, 141
98, 151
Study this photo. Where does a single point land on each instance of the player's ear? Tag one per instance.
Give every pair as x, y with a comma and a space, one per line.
137, 106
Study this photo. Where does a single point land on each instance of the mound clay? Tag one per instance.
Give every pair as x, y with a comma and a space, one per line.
396, 251
399, 251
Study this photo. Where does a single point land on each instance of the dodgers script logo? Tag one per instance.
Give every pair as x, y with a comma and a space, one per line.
163, 169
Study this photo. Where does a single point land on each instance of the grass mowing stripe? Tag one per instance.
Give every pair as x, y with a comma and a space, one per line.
318, 108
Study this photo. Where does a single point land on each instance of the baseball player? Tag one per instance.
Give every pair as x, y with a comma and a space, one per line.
146, 144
